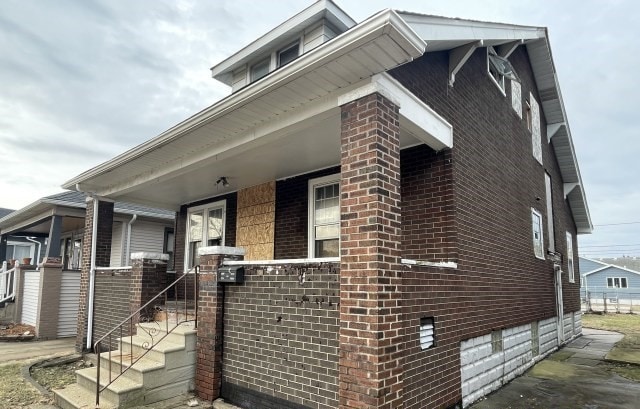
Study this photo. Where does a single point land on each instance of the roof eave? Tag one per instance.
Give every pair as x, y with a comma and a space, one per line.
385, 22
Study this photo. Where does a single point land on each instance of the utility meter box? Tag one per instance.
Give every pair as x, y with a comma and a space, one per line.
231, 274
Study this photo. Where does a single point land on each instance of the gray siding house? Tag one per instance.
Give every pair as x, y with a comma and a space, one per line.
604, 284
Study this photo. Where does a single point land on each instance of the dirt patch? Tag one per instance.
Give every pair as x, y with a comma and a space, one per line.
16, 329
57, 376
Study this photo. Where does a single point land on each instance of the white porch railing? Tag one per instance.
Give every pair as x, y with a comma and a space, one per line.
7, 283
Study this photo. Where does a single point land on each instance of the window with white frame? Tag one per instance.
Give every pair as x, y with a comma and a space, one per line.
260, 69
205, 227
571, 272
499, 69
549, 197
617, 282
538, 241
324, 217
18, 250
288, 53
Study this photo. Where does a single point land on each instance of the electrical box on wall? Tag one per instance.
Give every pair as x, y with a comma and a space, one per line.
231, 274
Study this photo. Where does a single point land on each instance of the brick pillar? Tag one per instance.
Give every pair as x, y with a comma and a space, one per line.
210, 316
148, 279
370, 361
103, 257
49, 302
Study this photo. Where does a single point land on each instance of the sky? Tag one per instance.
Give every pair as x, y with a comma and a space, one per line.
82, 81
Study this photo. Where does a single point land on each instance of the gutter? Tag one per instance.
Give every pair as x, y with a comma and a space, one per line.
127, 258
386, 22
92, 273
39, 248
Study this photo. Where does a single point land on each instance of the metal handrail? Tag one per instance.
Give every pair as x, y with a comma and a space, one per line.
7, 283
137, 316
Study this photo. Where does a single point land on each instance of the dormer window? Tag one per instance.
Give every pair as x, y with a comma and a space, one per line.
260, 69
288, 54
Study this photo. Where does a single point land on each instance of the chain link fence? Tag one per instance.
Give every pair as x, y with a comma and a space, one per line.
611, 300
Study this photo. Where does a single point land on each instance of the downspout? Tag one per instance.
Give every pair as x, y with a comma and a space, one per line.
92, 272
39, 248
127, 259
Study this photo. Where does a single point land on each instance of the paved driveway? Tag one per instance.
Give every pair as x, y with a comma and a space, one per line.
13, 351
575, 377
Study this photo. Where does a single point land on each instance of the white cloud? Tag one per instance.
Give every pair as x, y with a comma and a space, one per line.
84, 81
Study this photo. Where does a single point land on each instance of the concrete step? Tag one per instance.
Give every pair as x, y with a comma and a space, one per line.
122, 392
76, 397
184, 334
166, 352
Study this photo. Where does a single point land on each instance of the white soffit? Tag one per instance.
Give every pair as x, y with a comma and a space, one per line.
444, 33
245, 118
416, 117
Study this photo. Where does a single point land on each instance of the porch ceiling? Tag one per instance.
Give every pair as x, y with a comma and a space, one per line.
284, 124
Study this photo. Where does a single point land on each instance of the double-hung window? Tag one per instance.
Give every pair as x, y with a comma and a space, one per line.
205, 227
538, 242
572, 278
324, 217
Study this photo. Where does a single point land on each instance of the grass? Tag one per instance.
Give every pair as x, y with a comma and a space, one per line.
15, 392
626, 353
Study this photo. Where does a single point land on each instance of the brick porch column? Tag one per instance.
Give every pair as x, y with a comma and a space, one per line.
103, 258
49, 301
210, 309
370, 361
148, 278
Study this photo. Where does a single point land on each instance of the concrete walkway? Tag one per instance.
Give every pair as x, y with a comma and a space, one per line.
16, 351
576, 376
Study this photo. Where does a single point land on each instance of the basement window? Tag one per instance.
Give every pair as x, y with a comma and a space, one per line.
499, 69
496, 341
427, 333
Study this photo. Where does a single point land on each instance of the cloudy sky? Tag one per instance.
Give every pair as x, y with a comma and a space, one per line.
81, 81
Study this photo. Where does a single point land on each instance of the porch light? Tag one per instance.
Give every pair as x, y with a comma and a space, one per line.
223, 180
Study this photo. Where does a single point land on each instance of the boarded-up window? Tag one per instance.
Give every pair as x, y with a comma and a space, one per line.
516, 97
536, 135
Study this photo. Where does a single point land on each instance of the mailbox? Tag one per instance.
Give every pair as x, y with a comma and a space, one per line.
231, 274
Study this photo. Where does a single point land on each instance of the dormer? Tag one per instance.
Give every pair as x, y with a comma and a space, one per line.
305, 31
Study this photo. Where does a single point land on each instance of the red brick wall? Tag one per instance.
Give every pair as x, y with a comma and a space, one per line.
499, 282
370, 309
292, 212
428, 217
111, 303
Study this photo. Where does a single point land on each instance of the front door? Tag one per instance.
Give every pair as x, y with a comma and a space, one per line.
559, 305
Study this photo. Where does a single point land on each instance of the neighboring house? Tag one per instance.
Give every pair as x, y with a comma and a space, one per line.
407, 197
604, 281
52, 228
632, 263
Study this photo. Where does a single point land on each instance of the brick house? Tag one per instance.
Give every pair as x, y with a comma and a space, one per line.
407, 198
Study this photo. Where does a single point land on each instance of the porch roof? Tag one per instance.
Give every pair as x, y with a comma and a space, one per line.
285, 124
36, 217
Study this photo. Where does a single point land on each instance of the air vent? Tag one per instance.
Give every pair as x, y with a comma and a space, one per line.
427, 333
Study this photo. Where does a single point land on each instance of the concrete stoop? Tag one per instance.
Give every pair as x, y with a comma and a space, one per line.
167, 370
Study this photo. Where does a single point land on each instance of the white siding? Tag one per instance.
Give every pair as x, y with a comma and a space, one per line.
117, 245
147, 236
30, 297
68, 310
316, 36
